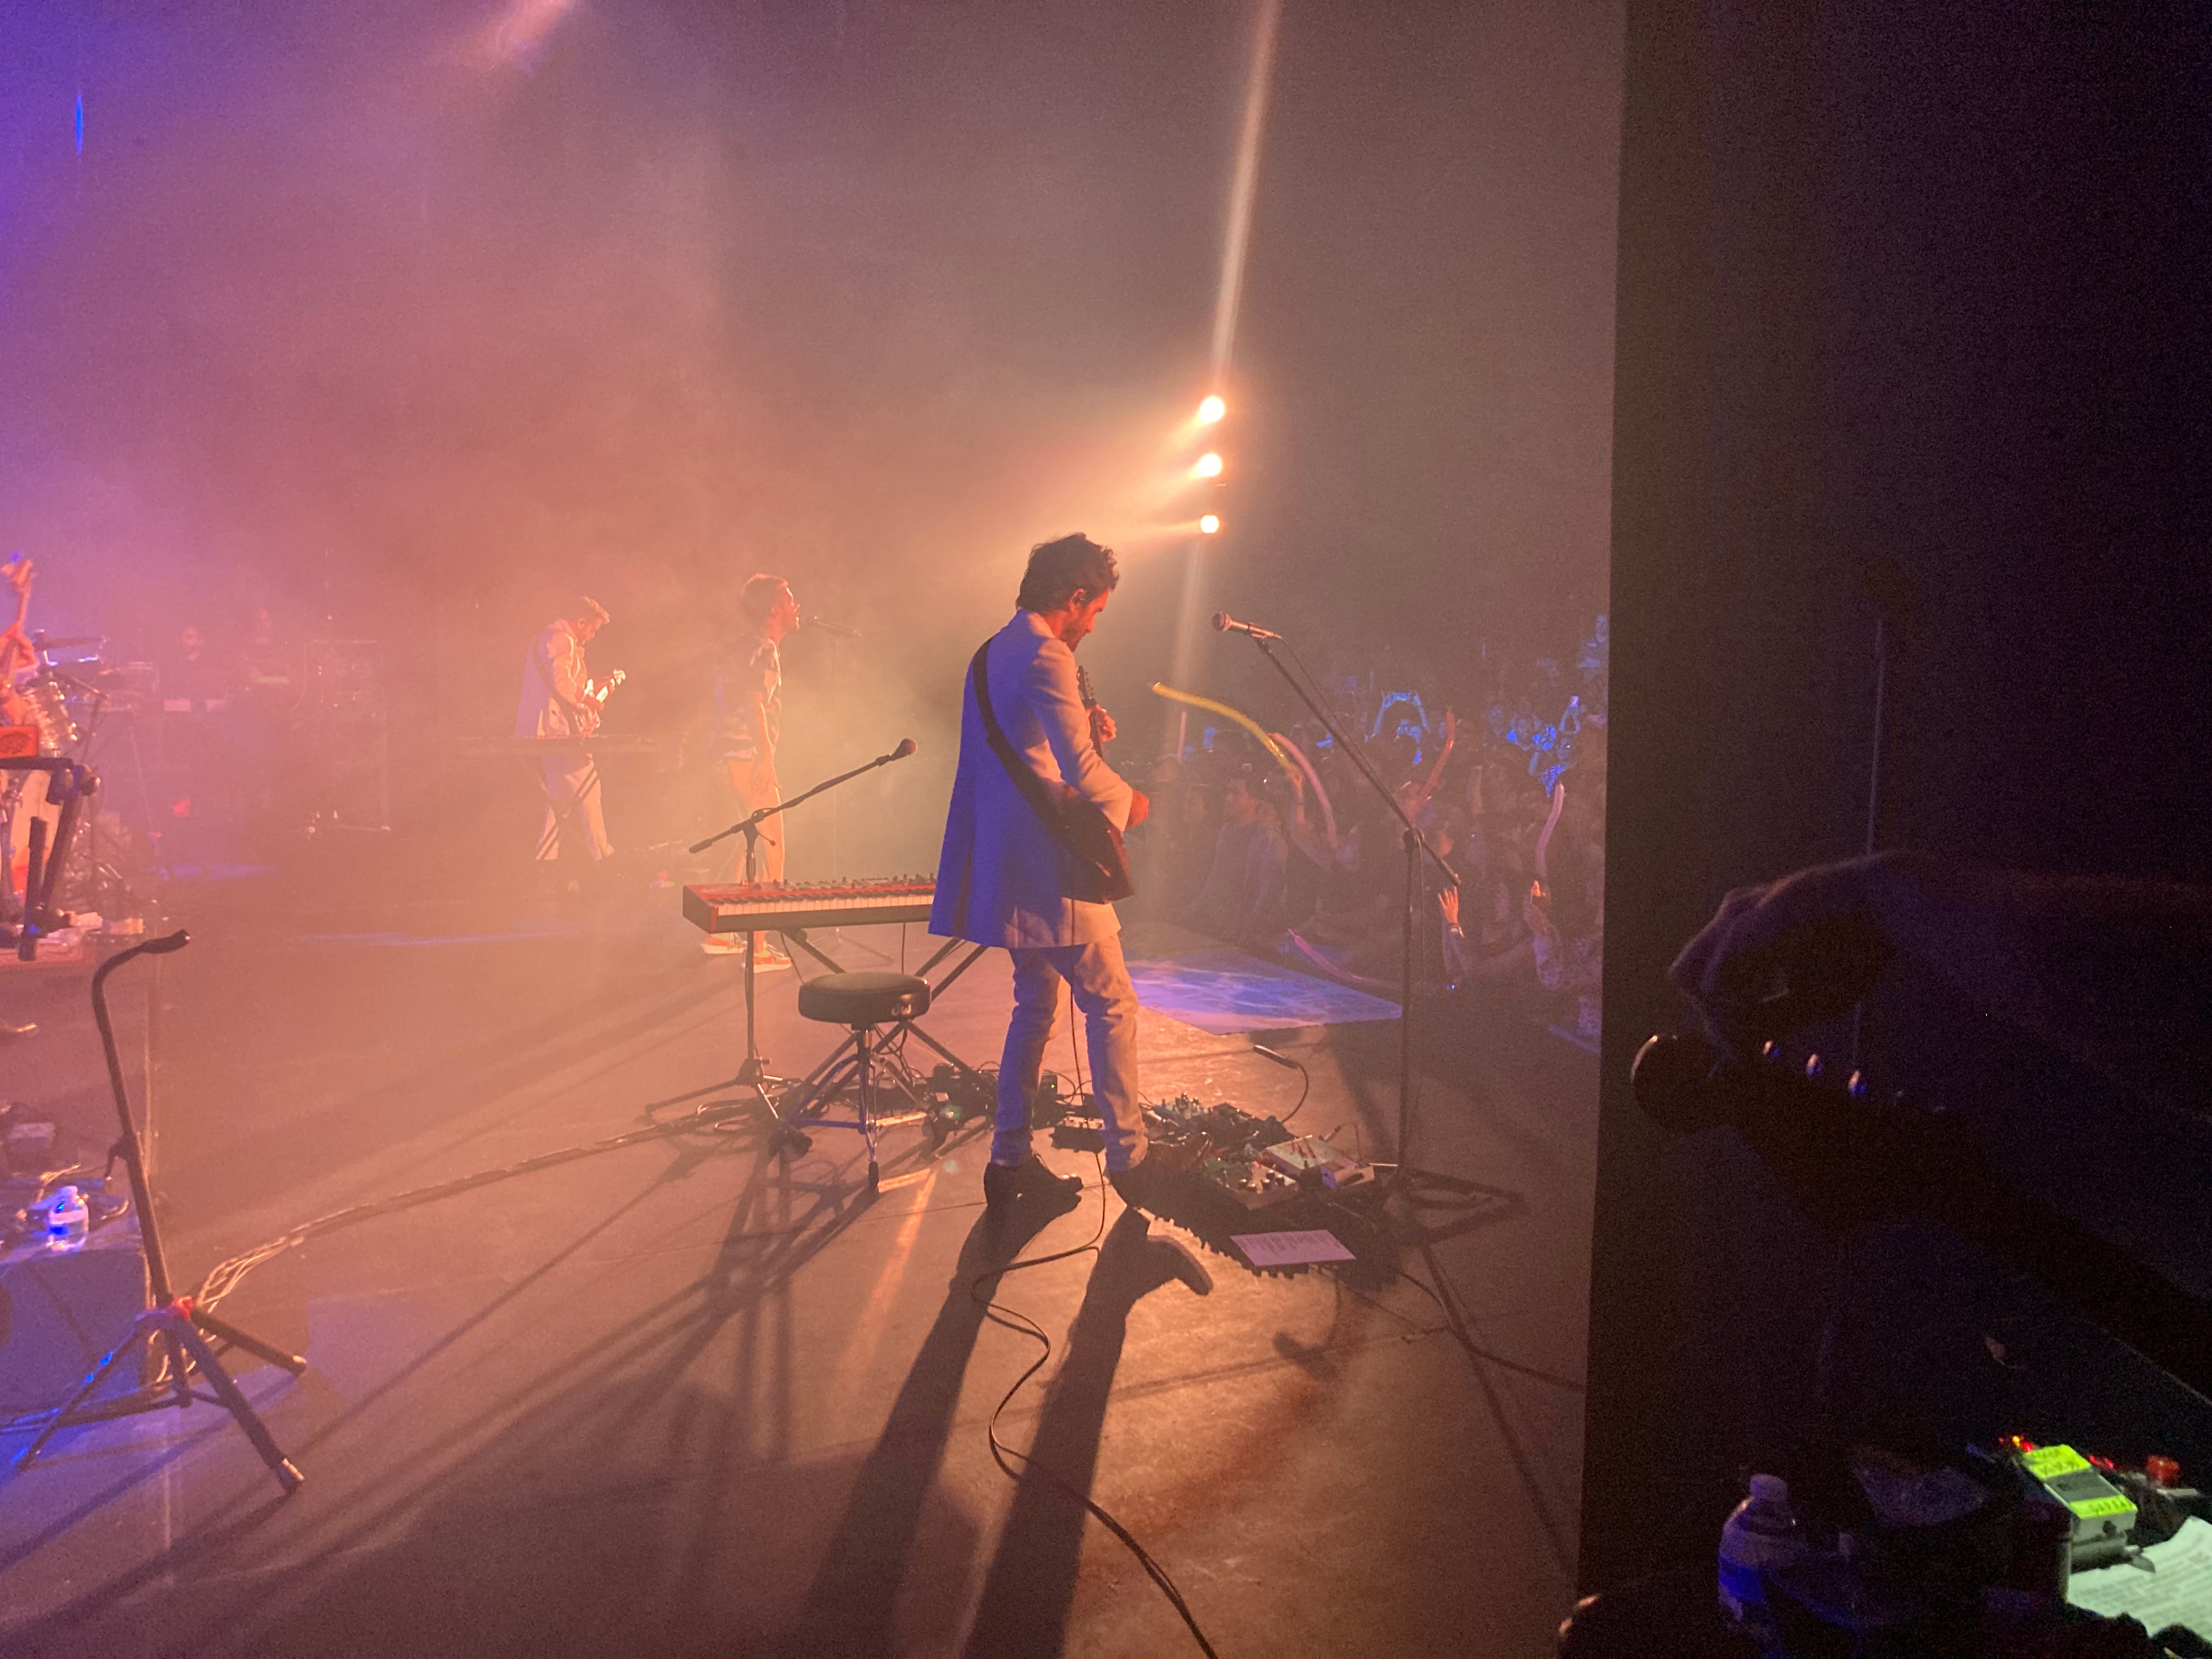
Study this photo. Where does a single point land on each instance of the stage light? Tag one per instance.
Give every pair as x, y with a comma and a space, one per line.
1212, 410
1208, 525
1209, 466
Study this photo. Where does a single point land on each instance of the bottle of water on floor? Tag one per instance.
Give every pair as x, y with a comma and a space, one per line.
1762, 1535
67, 1217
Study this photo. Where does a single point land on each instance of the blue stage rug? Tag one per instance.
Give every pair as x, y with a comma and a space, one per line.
1189, 977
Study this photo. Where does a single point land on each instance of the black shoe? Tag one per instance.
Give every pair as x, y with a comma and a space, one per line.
1150, 1182
1003, 1184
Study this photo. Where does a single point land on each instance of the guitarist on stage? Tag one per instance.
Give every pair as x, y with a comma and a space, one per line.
1031, 801
559, 701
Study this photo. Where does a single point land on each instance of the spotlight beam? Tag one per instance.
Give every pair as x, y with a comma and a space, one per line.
1258, 82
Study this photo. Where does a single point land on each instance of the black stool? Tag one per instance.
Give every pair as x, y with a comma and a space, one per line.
862, 1002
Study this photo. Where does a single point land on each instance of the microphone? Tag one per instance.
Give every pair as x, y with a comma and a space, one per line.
833, 627
166, 943
907, 746
1225, 623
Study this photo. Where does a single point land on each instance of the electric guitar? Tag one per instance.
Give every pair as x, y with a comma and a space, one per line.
593, 699
1099, 718
1141, 807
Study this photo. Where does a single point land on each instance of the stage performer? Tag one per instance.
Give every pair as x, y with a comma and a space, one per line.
748, 691
1003, 879
556, 704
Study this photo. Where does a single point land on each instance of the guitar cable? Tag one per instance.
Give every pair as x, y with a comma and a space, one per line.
1021, 1324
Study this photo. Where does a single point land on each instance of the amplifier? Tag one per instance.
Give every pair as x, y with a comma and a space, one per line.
63, 1310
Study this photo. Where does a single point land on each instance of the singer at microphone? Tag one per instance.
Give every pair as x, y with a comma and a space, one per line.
1225, 623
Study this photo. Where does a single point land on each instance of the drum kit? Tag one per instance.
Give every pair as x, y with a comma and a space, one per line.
68, 698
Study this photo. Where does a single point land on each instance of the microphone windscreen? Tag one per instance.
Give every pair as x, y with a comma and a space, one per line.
907, 746
1221, 622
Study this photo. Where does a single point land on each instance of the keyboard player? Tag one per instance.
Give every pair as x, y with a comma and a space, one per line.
555, 706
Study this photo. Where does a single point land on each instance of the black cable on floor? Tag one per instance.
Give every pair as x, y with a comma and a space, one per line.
1305, 1078
1014, 1320
224, 1277
1021, 1324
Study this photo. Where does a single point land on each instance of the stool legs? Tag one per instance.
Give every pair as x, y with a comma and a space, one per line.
864, 1038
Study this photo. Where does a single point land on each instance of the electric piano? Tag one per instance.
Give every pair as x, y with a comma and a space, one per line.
783, 907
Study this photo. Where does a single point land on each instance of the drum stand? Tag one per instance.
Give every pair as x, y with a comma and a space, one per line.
43, 878
172, 1330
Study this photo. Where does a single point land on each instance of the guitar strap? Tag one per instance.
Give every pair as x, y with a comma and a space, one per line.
1024, 778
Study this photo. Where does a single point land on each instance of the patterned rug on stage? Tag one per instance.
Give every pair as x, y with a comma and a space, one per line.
1218, 988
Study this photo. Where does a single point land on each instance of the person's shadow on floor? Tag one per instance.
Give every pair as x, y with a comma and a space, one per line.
1031, 1581
850, 1608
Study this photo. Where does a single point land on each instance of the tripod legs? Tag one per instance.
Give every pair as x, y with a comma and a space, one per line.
172, 1331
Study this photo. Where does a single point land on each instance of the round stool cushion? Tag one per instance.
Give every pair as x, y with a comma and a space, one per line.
863, 998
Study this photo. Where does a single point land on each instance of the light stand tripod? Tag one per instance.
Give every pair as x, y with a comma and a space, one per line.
172, 1327
1422, 1189
755, 1073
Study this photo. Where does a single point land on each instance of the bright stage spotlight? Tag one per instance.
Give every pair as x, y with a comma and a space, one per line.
1211, 411
1208, 525
1209, 466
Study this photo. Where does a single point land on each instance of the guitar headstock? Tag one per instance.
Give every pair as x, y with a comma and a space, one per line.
19, 570
1083, 687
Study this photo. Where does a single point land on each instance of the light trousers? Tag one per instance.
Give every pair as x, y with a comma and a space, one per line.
572, 797
1099, 980
770, 865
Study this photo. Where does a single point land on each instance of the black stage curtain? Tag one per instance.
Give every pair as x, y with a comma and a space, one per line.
1912, 327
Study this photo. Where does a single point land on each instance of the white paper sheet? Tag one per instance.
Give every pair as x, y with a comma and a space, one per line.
2178, 1593
1289, 1249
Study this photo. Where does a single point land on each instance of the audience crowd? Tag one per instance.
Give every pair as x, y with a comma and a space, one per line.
1283, 849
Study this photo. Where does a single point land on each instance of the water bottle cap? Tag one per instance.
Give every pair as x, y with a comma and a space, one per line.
1770, 1489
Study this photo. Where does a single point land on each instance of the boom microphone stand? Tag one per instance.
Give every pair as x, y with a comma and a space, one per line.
172, 1327
755, 1072
1422, 1187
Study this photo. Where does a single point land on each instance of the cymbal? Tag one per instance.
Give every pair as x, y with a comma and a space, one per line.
44, 641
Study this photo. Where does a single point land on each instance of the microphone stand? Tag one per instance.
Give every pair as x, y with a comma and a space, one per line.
755, 1073
1421, 1187
170, 1329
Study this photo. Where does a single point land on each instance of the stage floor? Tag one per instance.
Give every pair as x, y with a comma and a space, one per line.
682, 1399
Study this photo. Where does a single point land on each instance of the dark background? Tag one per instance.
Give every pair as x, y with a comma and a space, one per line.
1922, 291
403, 326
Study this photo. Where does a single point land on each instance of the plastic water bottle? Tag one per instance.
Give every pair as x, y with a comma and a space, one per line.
1762, 1535
66, 1216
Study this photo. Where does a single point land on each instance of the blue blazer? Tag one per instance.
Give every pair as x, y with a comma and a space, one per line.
999, 876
